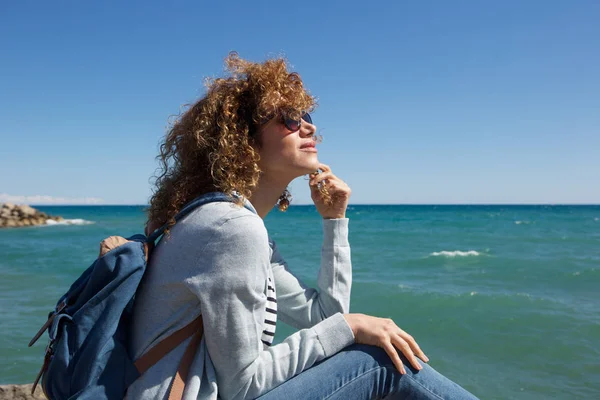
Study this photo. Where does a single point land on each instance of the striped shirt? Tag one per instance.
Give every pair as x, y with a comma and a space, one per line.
271, 313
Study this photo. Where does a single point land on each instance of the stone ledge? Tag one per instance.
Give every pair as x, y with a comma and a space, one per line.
21, 392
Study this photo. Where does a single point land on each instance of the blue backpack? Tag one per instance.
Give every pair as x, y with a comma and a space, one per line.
87, 355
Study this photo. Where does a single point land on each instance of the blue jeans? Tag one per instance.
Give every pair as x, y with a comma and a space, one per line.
366, 372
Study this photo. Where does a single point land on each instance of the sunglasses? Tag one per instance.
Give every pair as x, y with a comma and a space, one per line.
293, 124
290, 123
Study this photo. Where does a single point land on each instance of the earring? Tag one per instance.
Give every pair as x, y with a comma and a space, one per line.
284, 200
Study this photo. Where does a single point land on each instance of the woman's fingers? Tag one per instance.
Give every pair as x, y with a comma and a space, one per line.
321, 177
329, 179
111, 242
393, 353
404, 347
384, 333
324, 167
413, 345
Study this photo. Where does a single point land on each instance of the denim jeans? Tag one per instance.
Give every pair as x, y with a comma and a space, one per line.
366, 372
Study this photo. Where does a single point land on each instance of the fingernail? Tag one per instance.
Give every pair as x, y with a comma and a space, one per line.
403, 371
426, 359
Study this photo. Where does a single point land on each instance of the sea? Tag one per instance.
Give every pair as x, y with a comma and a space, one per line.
504, 300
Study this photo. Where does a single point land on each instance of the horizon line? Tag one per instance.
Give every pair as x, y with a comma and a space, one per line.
349, 205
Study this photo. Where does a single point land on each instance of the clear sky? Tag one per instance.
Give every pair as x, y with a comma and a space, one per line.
420, 101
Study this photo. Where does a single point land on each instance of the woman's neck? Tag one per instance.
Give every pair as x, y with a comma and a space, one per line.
266, 194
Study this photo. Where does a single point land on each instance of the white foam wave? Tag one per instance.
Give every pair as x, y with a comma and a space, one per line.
522, 222
76, 221
455, 253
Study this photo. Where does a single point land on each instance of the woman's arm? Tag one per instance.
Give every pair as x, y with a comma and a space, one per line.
299, 305
302, 306
230, 288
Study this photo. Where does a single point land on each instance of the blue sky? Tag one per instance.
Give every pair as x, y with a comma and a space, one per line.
420, 102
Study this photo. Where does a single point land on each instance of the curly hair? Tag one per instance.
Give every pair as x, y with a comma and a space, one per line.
212, 145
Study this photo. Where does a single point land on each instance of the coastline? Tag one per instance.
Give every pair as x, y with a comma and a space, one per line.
18, 216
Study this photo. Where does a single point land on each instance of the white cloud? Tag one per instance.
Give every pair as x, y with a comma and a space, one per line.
43, 199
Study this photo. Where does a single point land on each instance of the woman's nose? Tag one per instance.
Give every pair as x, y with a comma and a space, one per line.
307, 129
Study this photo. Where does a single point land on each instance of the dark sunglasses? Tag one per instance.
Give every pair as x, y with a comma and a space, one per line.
290, 123
293, 125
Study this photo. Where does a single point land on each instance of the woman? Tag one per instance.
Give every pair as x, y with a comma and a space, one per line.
249, 137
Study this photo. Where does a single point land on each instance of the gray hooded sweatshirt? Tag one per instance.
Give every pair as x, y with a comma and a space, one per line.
220, 262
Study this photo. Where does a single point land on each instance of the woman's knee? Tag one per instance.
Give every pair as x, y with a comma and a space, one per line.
375, 357
367, 356
426, 383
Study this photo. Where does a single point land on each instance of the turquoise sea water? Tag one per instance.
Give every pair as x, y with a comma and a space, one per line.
505, 300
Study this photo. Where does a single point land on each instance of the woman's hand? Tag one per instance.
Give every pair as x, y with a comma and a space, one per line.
384, 333
337, 189
112, 242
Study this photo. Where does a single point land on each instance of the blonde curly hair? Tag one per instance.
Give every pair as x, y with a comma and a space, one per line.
212, 145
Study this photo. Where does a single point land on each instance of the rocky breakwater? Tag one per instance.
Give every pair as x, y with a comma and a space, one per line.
14, 216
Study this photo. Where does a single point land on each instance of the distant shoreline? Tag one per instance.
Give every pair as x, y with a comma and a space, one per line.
368, 204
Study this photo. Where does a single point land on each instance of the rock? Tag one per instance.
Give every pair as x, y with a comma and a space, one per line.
12, 216
20, 392
27, 210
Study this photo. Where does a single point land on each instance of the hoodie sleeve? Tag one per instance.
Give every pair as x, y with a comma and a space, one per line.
301, 306
233, 302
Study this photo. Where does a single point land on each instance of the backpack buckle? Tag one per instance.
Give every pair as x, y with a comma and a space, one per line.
61, 306
49, 348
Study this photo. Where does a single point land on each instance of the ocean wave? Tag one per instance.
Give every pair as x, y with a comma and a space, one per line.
76, 221
455, 253
522, 222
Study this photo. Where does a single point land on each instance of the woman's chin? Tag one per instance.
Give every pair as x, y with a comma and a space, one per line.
307, 169
312, 167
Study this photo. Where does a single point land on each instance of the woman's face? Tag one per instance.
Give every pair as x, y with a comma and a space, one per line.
285, 154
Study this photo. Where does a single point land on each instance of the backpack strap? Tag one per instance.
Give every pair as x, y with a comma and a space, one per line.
195, 330
178, 383
169, 343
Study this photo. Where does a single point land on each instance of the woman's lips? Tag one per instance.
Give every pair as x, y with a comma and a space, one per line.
309, 147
